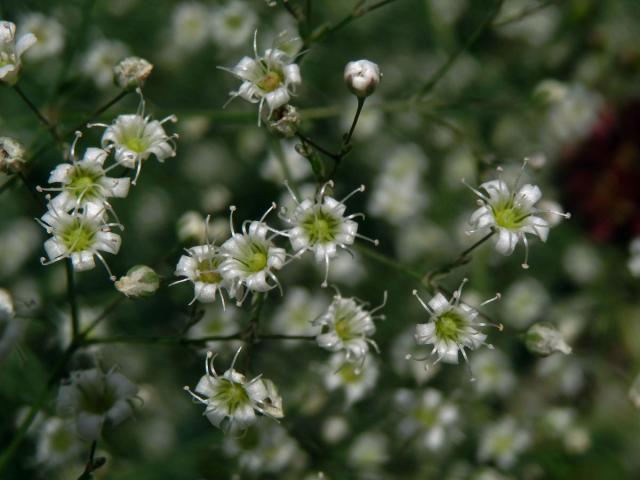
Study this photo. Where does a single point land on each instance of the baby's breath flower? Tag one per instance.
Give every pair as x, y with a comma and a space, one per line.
231, 401
48, 32
57, 443
362, 77
544, 340
321, 226
136, 136
10, 327
96, 398
140, 281
284, 121
80, 237
250, 257
11, 51
452, 326
511, 213
84, 183
347, 326
100, 59
232, 24
355, 379
270, 78
503, 442
11, 155
132, 72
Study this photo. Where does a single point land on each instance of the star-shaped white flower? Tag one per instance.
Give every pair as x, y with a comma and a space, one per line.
11, 51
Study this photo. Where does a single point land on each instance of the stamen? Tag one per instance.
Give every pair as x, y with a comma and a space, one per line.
293, 195
424, 305
72, 151
375, 241
497, 296
324, 188
382, 305
361, 188
112, 277
269, 210
458, 293
326, 271
525, 265
235, 357
232, 209
138, 169
195, 397
475, 190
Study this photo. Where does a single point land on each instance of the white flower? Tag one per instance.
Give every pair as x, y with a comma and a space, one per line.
369, 451
189, 25
57, 443
633, 264
140, 281
320, 225
136, 136
80, 237
347, 326
250, 257
362, 77
544, 340
355, 380
297, 314
100, 59
132, 72
452, 326
84, 183
271, 78
11, 155
96, 398
231, 401
10, 327
511, 213
11, 51
49, 34
503, 442
232, 24
493, 373
428, 416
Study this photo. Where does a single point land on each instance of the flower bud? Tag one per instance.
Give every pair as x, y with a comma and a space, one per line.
634, 392
132, 72
545, 340
362, 77
11, 155
140, 281
284, 121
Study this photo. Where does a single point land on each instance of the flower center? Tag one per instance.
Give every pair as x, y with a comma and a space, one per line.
78, 237
320, 227
271, 81
234, 22
449, 325
257, 261
233, 395
427, 416
207, 272
83, 183
349, 373
509, 216
136, 144
96, 399
343, 330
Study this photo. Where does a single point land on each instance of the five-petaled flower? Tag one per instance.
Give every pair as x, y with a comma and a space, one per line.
11, 51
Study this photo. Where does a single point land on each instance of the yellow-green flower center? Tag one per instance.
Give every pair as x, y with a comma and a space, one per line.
136, 144
233, 395
234, 21
271, 81
509, 216
449, 325
257, 261
426, 416
321, 227
84, 183
349, 373
78, 237
207, 271
343, 329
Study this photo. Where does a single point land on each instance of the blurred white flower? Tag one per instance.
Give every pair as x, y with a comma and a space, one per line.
57, 443
99, 60
297, 313
232, 24
582, 262
493, 373
503, 442
634, 260
297, 167
369, 451
11, 51
189, 25
544, 340
48, 32
10, 327
524, 301
231, 401
356, 380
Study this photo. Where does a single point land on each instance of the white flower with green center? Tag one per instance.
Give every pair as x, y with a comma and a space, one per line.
96, 398
48, 32
355, 380
136, 137
271, 78
511, 213
452, 326
11, 51
250, 257
347, 326
232, 24
503, 442
429, 417
321, 226
85, 183
80, 237
231, 400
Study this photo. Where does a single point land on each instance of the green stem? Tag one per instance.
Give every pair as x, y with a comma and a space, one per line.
347, 139
524, 13
71, 297
105, 313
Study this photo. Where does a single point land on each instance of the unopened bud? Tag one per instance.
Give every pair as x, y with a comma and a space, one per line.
362, 77
545, 340
284, 121
132, 72
140, 281
11, 155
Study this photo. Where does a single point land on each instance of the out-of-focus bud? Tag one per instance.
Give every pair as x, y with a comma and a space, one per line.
132, 72
544, 340
11, 155
140, 281
634, 392
191, 228
7, 311
284, 121
362, 77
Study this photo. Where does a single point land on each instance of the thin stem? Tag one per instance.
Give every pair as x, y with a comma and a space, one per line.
307, 140
347, 139
444, 68
524, 13
164, 341
71, 297
105, 313
102, 109
389, 262
276, 336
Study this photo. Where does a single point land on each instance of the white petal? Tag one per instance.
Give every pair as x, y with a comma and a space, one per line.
438, 303
528, 195
25, 42
507, 241
89, 425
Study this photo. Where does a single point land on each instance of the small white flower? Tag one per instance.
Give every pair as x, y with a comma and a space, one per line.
132, 72
429, 417
368, 452
96, 398
140, 281
362, 77
232, 24
49, 34
136, 136
321, 226
231, 401
80, 237
511, 213
297, 314
633, 264
189, 25
100, 59
57, 443
452, 326
11, 51
493, 373
544, 340
347, 326
250, 257
11, 155
355, 379
10, 327
503, 442
270, 78
84, 183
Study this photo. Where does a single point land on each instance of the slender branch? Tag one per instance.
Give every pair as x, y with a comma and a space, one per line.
200, 341
99, 111
524, 13
105, 313
444, 68
307, 140
71, 297
356, 117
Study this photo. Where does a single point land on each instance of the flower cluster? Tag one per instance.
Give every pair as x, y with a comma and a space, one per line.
78, 216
